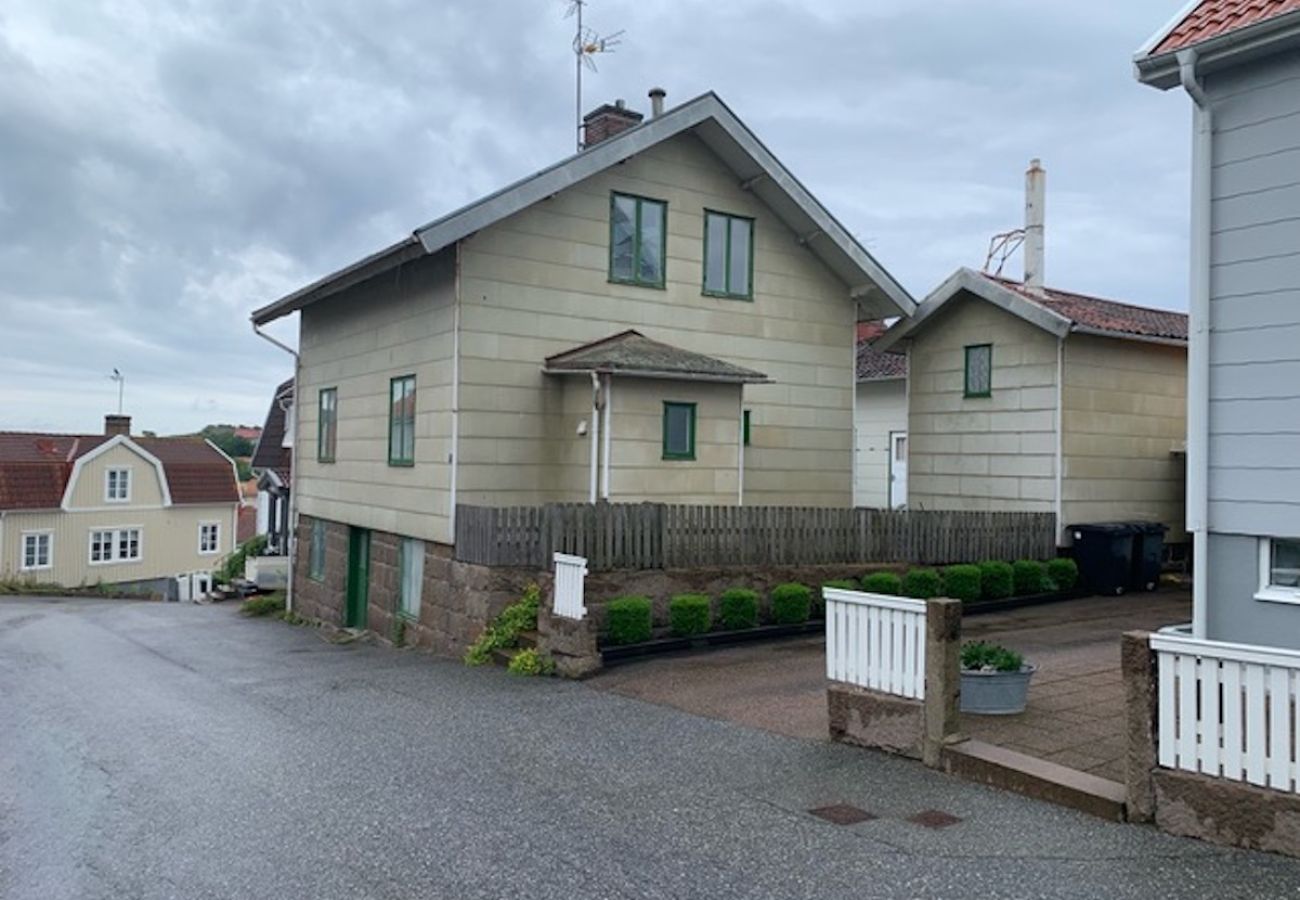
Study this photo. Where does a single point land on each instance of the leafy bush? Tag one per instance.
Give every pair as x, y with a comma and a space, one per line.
505, 629
882, 583
1030, 576
791, 603
1064, 573
628, 620
844, 584
922, 584
738, 608
264, 605
997, 579
689, 614
530, 662
962, 583
232, 566
978, 656
819, 599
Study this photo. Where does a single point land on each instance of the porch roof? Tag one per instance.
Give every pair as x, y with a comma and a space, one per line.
632, 354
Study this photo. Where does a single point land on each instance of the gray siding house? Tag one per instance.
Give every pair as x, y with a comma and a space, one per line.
1240, 64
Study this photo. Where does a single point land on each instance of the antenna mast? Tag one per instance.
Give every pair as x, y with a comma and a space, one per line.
586, 44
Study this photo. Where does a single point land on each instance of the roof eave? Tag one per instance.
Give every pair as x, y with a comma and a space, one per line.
1130, 336
664, 375
374, 264
1270, 36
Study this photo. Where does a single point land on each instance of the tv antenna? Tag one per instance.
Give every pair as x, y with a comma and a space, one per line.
1001, 248
121, 383
586, 44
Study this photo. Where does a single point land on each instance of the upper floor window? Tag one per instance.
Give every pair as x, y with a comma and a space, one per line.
638, 240
728, 255
979, 370
117, 485
679, 430
401, 421
37, 550
209, 538
1279, 569
327, 426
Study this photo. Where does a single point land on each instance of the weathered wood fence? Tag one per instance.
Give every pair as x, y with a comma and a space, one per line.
669, 536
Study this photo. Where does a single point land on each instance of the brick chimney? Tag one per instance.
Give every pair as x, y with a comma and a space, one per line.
606, 121
116, 424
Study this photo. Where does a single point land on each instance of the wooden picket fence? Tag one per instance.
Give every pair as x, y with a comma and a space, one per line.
670, 536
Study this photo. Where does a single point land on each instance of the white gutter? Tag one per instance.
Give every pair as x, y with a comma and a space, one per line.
293, 461
1198, 355
1060, 441
594, 432
455, 401
740, 453
605, 430
853, 422
1127, 336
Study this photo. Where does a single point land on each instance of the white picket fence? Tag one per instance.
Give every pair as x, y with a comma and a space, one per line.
876, 642
1229, 710
570, 579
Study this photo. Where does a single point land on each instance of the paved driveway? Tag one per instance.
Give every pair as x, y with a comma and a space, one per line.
152, 750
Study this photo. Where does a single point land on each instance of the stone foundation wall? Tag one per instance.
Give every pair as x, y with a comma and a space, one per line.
879, 721
321, 600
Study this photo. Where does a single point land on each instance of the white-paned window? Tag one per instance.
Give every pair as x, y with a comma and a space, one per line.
411, 565
38, 550
115, 545
117, 485
209, 538
316, 561
1279, 570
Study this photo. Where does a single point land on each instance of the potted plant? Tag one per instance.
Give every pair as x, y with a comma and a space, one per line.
994, 680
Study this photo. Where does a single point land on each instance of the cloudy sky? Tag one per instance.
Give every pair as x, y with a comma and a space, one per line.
166, 166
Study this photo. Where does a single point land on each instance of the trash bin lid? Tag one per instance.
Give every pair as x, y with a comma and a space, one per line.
1148, 527
1115, 528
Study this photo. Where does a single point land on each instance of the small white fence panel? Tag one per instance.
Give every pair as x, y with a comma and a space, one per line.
570, 579
1229, 710
876, 642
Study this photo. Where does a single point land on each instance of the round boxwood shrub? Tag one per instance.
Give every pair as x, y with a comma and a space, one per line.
738, 608
689, 614
844, 584
1030, 576
962, 583
628, 620
997, 579
1064, 573
791, 603
922, 584
882, 583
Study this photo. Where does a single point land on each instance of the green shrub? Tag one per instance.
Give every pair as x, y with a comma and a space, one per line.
530, 661
962, 583
882, 583
819, 599
689, 614
791, 603
1064, 573
1030, 576
505, 629
978, 656
844, 584
997, 579
738, 608
265, 605
232, 566
922, 584
627, 620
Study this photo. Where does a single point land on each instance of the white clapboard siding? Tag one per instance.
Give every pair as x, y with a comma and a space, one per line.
570, 578
876, 642
1229, 710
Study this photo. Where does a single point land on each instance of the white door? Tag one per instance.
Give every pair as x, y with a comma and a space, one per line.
897, 469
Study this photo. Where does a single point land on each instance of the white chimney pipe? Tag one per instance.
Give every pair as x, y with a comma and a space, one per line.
657, 95
1035, 212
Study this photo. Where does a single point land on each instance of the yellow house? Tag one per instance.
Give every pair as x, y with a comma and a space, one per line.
113, 509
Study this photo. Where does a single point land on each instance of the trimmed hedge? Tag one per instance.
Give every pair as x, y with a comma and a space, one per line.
882, 583
1030, 576
738, 608
628, 620
922, 584
962, 583
844, 584
997, 579
1064, 573
791, 603
689, 614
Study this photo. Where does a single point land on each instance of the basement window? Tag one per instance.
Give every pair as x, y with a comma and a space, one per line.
638, 240
1279, 570
411, 566
316, 561
979, 370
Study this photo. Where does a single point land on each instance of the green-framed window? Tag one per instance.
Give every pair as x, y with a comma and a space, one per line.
728, 255
410, 565
638, 240
744, 426
679, 430
316, 561
401, 421
327, 425
979, 370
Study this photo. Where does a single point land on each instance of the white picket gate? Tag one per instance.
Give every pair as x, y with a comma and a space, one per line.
570, 578
876, 642
1229, 710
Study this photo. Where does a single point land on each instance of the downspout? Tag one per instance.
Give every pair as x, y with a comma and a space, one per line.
594, 433
1060, 441
605, 432
293, 462
740, 452
1198, 355
454, 455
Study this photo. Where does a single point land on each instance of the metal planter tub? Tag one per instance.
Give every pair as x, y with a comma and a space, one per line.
995, 693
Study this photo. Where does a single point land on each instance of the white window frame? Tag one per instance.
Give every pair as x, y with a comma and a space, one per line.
216, 542
1268, 592
404, 553
121, 472
49, 551
116, 533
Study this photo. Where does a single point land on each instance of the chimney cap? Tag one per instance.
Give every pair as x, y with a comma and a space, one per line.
658, 92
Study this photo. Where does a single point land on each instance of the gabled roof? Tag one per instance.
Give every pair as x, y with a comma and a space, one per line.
632, 354
1057, 312
270, 454
1218, 32
873, 364
712, 122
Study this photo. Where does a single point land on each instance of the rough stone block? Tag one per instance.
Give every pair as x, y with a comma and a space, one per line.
880, 721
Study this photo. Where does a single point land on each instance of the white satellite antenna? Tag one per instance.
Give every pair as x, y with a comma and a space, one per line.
586, 44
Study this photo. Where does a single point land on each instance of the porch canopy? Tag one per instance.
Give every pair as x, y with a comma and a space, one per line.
632, 354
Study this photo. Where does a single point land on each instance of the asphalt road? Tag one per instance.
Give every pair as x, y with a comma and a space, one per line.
154, 750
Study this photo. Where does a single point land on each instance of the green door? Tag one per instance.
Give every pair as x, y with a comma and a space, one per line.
354, 616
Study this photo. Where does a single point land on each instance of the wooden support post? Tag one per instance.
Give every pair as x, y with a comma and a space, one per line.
942, 676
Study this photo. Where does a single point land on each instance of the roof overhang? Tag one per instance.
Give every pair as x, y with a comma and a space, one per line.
659, 375
1242, 45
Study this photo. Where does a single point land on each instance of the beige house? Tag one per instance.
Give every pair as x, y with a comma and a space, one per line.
113, 509
667, 315
1028, 398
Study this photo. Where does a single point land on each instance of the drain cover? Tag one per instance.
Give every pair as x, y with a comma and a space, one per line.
842, 814
934, 818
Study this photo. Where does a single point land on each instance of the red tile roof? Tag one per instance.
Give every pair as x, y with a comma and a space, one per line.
1215, 18
1120, 319
873, 364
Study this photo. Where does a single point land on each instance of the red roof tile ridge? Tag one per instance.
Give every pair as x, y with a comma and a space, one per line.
1047, 292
